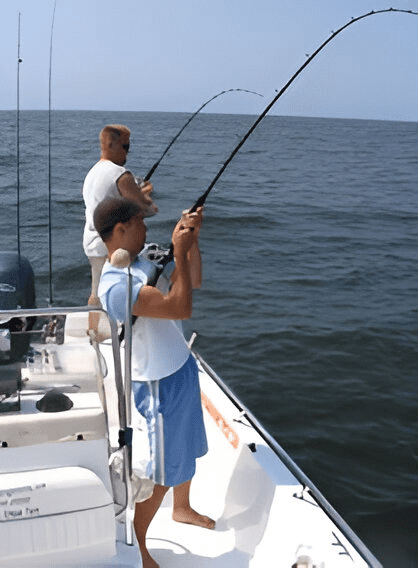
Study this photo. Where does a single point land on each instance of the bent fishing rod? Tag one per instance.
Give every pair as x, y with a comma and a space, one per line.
168, 257
204, 196
157, 163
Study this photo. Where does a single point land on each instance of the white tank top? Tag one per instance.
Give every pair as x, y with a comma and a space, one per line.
100, 183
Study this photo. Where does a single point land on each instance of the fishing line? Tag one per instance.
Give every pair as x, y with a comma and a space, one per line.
19, 61
157, 163
49, 162
203, 197
201, 200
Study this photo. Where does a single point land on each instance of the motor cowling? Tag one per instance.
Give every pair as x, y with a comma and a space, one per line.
17, 290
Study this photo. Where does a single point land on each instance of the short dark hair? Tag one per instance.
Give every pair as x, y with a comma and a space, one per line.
111, 211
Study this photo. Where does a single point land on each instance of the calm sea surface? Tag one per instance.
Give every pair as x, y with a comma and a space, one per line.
309, 305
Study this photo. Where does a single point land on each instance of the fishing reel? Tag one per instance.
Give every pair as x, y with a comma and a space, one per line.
160, 266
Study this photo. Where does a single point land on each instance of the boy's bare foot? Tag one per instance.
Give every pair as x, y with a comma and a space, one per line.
191, 517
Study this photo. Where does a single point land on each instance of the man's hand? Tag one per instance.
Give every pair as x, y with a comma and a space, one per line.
129, 189
146, 188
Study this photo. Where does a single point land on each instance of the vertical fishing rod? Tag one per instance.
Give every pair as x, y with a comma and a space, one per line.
157, 163
19, 61
49, 164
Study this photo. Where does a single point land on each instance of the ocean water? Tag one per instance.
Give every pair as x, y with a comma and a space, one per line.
309, 305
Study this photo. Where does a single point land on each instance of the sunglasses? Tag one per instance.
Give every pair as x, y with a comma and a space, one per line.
125, 147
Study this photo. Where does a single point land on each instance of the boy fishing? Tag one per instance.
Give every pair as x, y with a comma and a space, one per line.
159, 352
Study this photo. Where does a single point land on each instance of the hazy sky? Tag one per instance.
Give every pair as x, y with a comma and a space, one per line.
173, 55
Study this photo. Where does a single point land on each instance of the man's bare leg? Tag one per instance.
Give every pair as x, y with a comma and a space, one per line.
182, 511
144, 513
94, 316
96, 264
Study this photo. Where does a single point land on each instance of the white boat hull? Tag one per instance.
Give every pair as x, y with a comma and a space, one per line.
56, 491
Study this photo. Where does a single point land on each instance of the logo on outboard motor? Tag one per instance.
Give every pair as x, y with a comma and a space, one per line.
6, 287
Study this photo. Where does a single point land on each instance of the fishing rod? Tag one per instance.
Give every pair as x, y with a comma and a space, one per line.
19, 61
204, 196
49, 162
157, 163
168, 256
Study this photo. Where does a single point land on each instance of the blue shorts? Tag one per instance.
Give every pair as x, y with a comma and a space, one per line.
184, 430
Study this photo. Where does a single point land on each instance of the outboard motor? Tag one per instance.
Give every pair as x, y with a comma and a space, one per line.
17, 290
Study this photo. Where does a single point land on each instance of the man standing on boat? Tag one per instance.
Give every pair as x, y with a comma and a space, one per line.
159, 352
109, 178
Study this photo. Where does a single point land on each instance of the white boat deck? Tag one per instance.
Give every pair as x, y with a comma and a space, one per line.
260, 519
